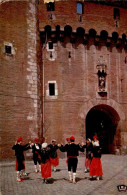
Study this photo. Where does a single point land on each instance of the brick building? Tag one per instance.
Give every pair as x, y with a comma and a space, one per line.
63, 71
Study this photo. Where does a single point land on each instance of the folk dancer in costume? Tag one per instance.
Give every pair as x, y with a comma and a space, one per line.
72, 150
54, 158
45, 162
20, 164
96, 166
88, 158
36, 158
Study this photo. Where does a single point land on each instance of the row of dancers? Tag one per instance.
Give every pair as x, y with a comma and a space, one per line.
46, 156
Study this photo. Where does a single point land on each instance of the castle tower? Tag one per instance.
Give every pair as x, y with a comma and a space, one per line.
20, 73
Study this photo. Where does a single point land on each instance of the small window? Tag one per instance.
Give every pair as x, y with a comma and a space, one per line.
79, 8
8, 49
50, 45
50, 6
116, 13
51, 89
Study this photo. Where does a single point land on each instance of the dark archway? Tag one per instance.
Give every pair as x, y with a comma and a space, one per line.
102, 120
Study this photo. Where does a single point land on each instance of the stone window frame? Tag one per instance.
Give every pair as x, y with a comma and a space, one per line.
8, 45
48, 49
8, 49
56, 90
12, 49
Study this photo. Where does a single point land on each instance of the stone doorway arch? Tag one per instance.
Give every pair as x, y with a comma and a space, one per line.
102, 120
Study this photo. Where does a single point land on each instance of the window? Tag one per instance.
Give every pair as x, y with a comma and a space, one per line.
79, 8
50, 6
51, 89
116, 13
8, 49
50, 45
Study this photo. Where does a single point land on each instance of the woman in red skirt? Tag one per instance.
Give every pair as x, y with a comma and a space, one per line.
96, 166
45, 162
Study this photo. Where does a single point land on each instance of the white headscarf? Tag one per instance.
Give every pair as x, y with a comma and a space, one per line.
44, 145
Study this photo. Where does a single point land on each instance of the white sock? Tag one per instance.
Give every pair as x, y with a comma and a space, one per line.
40, 168
35, 166
70, 176
18, 175
24, 173
54, 168
74, 176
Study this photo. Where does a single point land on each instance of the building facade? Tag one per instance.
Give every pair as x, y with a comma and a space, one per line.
63, 72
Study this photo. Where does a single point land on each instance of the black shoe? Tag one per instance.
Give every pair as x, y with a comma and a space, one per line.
91, 178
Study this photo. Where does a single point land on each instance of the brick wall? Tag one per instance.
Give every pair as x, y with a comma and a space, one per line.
20, 75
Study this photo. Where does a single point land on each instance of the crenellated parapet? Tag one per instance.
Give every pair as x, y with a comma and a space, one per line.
81, 37
104, 23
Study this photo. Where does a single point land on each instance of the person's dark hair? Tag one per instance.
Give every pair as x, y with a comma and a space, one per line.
72, 140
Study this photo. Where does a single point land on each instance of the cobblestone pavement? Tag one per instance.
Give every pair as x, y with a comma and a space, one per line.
114, 173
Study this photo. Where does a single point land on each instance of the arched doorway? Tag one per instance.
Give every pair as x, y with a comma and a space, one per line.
102, 120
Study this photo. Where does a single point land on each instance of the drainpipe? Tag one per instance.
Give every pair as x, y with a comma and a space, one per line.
43, 68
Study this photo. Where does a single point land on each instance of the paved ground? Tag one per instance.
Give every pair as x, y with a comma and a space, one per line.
114, 170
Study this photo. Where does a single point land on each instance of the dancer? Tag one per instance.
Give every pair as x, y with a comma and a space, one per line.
45, 162
54, 158
88, 158
96, 166
36, 158
72, 150
20, 164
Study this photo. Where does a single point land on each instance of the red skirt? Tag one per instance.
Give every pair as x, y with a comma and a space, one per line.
46, 169
96, 167
87, 163
55, 161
